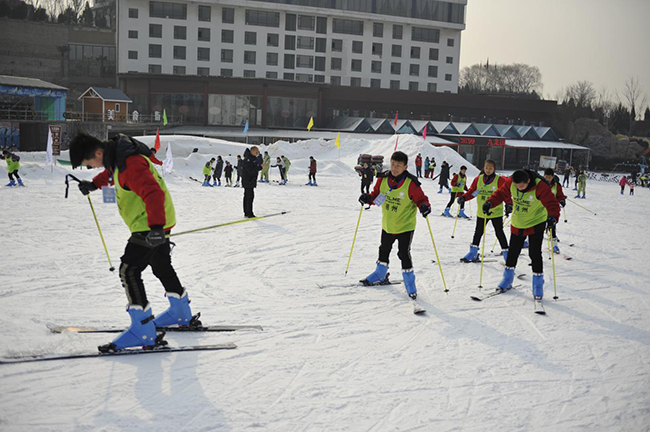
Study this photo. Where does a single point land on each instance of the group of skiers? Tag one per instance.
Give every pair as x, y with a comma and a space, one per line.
215, 173
580, 180
627, 181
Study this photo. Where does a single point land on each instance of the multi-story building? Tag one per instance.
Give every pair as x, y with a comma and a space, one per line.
389, 44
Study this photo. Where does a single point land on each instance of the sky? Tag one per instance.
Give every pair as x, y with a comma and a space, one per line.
602, 41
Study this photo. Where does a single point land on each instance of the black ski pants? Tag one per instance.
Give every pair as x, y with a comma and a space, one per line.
312, 177
249, 196
418, 171
497, 223
534, 248
453, 197
138, 255
365, 185
404, 247
12, 174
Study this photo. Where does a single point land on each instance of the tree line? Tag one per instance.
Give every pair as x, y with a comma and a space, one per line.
71, 12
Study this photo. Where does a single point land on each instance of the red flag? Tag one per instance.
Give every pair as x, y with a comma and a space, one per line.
395, 122
424, 133
157, 144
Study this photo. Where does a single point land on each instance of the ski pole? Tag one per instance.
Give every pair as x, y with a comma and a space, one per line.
227, 224
354, 239
582, 207
455, 222
555, 297
565, 221
437, 257
480, 282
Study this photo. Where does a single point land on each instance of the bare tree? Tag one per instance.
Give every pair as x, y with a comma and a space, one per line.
605, 104
634, 96
583, 94
517, 78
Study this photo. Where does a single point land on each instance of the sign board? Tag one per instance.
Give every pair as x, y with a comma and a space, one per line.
56, 140
108, 194
481, 141
547, 162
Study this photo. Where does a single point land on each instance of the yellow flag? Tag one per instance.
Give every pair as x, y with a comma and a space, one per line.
337, 143
311, 124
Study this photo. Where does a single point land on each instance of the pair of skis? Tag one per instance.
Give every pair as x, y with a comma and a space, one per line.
539, 306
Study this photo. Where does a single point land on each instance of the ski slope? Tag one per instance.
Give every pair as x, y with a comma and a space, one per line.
339, 358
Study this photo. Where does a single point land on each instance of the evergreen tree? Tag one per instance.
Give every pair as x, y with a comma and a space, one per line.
87, 17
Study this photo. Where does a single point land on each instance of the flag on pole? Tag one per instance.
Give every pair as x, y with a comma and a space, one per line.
396, 141
168, 164
157, 142
164, 117
311, 124
337, 143
246, 128
424, 133
48, 155
395, 122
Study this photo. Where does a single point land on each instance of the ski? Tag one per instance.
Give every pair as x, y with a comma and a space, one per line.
539, 307
124, 352
492, 294
213, 328
417, 308
198, 181
358, 284
463, 260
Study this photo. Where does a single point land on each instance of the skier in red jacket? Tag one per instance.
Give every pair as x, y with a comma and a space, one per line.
554, 183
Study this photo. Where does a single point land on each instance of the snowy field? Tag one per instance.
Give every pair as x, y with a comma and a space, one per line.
333, 359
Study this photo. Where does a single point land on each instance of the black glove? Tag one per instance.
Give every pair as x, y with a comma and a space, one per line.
508, 209
461, 200
365, 199
156, 236
486, 207
87, 187
425, 209
551, 222
562, 203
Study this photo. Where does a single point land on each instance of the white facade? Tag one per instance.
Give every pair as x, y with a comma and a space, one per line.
138, 45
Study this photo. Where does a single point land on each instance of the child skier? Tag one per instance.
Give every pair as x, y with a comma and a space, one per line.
458, 186
312, 172
207, 172
13, 165
400, 195
432, 167
582, 184
146, 206
239, 168
287, 165
280, 165
218, 169
482, 188
535, 208
632, 184
622, 184
266, 165
554, 182
228, 174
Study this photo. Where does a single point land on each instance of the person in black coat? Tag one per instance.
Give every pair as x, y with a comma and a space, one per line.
250, 168
217, 171
367, 176
239, 167
443, 180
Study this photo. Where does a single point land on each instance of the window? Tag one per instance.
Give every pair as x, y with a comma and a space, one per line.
226, 72
421, 34
414, 70
413, 86
395, 68
249, 74
133, 13
203, 54
226, 55
290, 22
432, 87
289, 76
394, 84
180, 32
447, 77
356, 65
203, 71
321, 28
155, 69
375, 83
155, 30
228, 17
335, 80
357, 47
377, 48
227, 36
179, 53
306, 22
133, 55
397, 31
133, 34
272, 75
375, 67
289, 42
450, 42
319, 63
396, 51
321, 45
204, 34
179, 70
205, 13
337, 45
319, 78
378, 30
336, 63
355, 82
450, 60
271, 59
272, 40
303, 61
250, 38
117, 107
305, 42
345, 26
304, 77
415, 52
433, 53
433, 71
159, 9
155, 51
262, 18
289, 61
249, 57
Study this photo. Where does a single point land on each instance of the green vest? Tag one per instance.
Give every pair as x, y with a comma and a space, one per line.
485, 192
132, 207
527, 210
554, 189
207, 170
12, 165
399, 210
461, 184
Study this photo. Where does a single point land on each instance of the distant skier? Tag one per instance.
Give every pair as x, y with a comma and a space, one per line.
535, 209
458, 187
146, 206
443, 180
250, 168
239, 168
622, 184
218, 169
367, 176
312, 172
426, 167
418, 165
632, 184
432, 167
153, 158
554, 183
582, 184
279, 163
266, 165
13, 165
400, 195
228, 174
207, 172
567, 176
287, 165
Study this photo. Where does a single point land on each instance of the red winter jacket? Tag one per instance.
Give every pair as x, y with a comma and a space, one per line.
415, 190
454, 180
312, 167
623, 181
137, 177
560, 193
418, 161
469, 194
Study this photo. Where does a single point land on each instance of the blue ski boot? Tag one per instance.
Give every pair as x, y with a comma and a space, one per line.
508, 277
538, 286
141, 332
20, 182
409, 283
315, 184
583, 196
308, 184
472, 255
178, 313
577, 196
446, 213
440, 191
525, 244
378, 276
505, 255
462, 214
556, 248
12, 183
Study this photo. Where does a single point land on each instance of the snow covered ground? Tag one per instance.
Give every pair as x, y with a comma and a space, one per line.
331, 359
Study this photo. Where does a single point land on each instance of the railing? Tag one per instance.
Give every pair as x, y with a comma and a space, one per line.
26, 114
